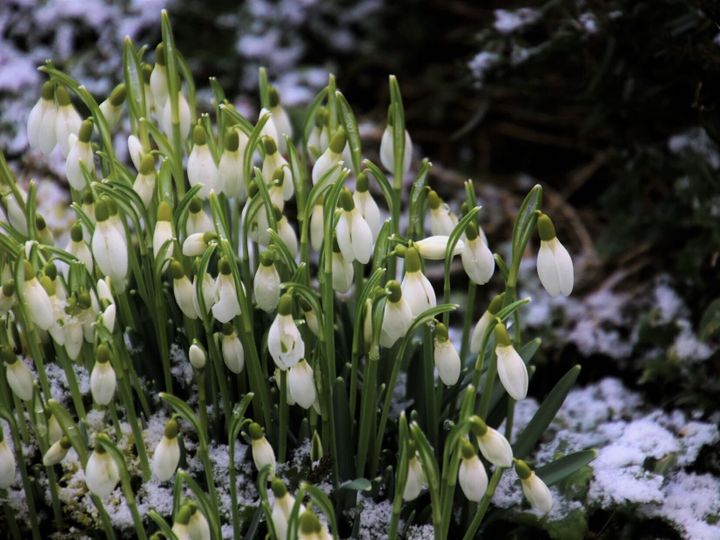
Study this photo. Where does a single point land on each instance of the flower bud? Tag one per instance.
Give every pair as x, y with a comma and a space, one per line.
158, 78
101, 472
196, 244
102, 378
198, 527
330, 158
184, 117
487, 318
471, 474
534, 489
477, 259
447, 359
387, 150
167, 453
493, 445
144, 184
163, 230
510, 366
301, 384
201, 167
442, 221
41, 121
554, 265
262, 453
416, 288
109, 247
353, 233
232, 349
266, 285
67, 120
79, 155
37, 300
416, 480
197, 355
232, 164
397, 316
18, 375
227, 307
183, 291
433, 248
57, 452
342, 272
285, 343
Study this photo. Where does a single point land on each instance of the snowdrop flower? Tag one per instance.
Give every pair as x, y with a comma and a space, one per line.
366, 205
342, 270
266, 285
183, 290
112, 106
511, 368
353, 232
198, 527
201, 168
301, 384
416, 480
272, 162
158, 79
43, 232
477, 259
397, 315
387, 148
486, 320
55, 431
317, 224
67, 120
57, 452
198, 220
262, 453
197, 355
208, 293
330, 158
18, 375
80, 154
493, 445
319, 135
78, 248
471, 474
7, 296
227, 307
196, 244
101, 472
447, 359
554, 265
41, 121
311, 318
14, 212
167, 453
311, 528
280, 118
180, 523
184, 117
108, 318
416, 288
37, 300
144, 184
74, 335
230, 169
534, 489
102, 378
286, 232
442, 220
147, 90
232, 349
269, 129
163, 230
135, 150
282, 508
108, 246
433, 248
285, 343
7, 464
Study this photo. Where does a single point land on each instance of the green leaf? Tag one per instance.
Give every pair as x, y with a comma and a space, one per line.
359, 484
162, 525
323, 501
342, 430
70, 429
561, 468
182, 408
351, 130
710, 321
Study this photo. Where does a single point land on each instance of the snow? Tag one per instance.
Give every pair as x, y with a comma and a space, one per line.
507, 22
374, 518
482, 63
697, 141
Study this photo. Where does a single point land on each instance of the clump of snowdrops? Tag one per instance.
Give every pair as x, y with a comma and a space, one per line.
291, 272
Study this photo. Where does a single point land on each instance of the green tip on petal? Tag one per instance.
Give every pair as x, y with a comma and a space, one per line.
86, 129
48, 91
50, 270
147, 165
278, 488
8, 288
472, 231
393, 287
171, 429
224, 267
285, 304
434, 199
176, 270
502, 338
441, 332
522, 469
255, 431
269, 145
478, 426
267, 258
412, 260
160, 54
164, 211
102, 211
184, 514
196, 205
199, 136
321, 117
63, 98
338, 141
273, 97
468, 451
28, 270
496, 303
102, 354
309, 523
346, 201
117, 96
362, 184
232, 140
545, 227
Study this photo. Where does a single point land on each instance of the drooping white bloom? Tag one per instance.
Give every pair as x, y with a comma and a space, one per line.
232, 349
416, 480
319, 137
180, 523
487, 318
14, 212
109, 247
103, 380
280, 118
282, 508
442, 220
201, 167
18, 375
311, 528
397, 315
285, 343
135, 149
534, 489
416, 288
354, 236
101, 472
387, 150
167, 453
477, 259
232, 164
311, 319
184, 117
209, 293
266, 285
510, 366
433, 248
112, 106
554, 265
37, 300
493, 445
342, 273
67, 120
269, 129
287, 234
78, 248
472, 475
57, 452
447, 359
367, 206
8, 464
55, 431
80, 155
273, 163
144, 184
198, 527
227, 307
198, 221
158, 79
330, 158
317, 226
163, 230
197, 355
301, 384
262, 453
74, 336
7, 296
183, 291
41, 121
196, 244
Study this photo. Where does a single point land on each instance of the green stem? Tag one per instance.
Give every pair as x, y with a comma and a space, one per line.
283, 424
467, 320
431, 420
367, 404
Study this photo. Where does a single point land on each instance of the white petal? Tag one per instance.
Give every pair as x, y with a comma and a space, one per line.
230, 171
39, 304
537, 493
159, 85
369, 210
263, 454
512, 372
479, 330
201, 170
228, 307
7, 466
361, 237
110, 251
555, 268
288, 236
316, 227
397, 319
434, 247
101, 474
20, 380
266, 287
34, 123
135, 150
342, 273
495, 448
447, 362
163, 233
473, 479
416, 480
418, 292
166, 458
344, 238
478, 261
301, 384
285, 343
47, 138
67, 122
102, 383
233, 353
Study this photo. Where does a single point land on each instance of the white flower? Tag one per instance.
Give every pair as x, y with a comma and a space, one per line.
311, 528
67, 120
197, 355
80, 153
282, 507
144, 184
102, 378
57, 452
387, 150
275, 169
158, 78
18, 375
493, 445
367, 206
7, 465
78, 248
196, 244
554, 265
232, 164
416, 480
354, 236
208, 293
201, 167
433, 248
287, 234
112, 106
183, 291
447, 359
471, 474
317, 224
232, 349
227, 306
269, 129
109, 247
280, 118
416, 288
285, 343
331, 157
198, 221
510, 366
167, 453
74, 336
266, 285
55, 431
319, 135
135, 149
397, 316
534, 489
184, 117
14, 212
477, 259
487, 318
41, 121
101, 473
37, 300
198, 527
262, 453
342, 273
301, 384
163, 230
442, 221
